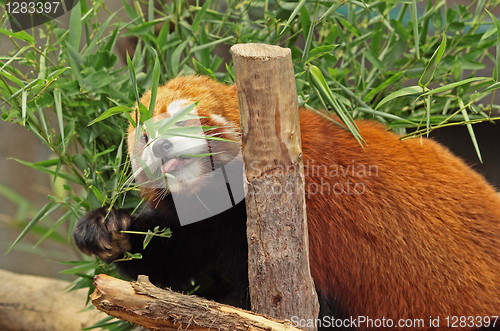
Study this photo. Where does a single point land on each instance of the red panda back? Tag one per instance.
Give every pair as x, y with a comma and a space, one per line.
399, 229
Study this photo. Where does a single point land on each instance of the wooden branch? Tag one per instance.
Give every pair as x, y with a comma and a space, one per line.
156, 309
281, 285
42, 304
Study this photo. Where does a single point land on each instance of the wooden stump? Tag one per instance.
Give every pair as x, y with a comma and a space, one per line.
281, 285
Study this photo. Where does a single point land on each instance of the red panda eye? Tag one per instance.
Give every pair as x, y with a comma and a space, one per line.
144, 139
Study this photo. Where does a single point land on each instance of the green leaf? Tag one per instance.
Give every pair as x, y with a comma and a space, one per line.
22, 35
170, 121
84, 267
425, 28
141, 29
310, 35
154, 88
211, 44
383, 86
319, 82
400, 29
52, 228
97, 36
384, 115
204, 53
202, 70
44, 168
12, 58
410, 90
433, 63
110, 112
497, 25
176, 57
377, 37
471, 130
97, 193
150, 128
24, 97
145, 115
144, 167
491, 87
200, 15
14, 197
292, 16
305, 21
370, 56
148, 237
414, 21
46, 210
320, 51
58, 104
96, 80
75, 27
453, 85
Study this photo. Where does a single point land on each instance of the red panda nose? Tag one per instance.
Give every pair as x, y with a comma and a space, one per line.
161, 148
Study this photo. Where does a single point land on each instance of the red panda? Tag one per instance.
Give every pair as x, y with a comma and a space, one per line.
399, 231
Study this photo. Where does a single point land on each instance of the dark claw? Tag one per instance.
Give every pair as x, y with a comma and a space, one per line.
100, 235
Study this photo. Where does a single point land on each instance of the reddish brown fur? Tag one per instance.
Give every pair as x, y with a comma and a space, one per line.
422, 240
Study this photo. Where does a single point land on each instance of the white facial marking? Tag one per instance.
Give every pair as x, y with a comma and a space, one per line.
177, 105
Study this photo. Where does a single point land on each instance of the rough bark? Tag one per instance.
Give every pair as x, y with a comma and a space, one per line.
281, 285
34, 303
144, 304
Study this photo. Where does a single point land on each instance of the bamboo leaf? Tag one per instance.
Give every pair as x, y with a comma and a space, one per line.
145, 115
453, 85
319, 81
497, 25
44, 168
23, 106
154, 88
21, 35
471, 130
60, 120
97, 193
211, 44
176, 57
383, 86
200, 15
410, 90
414, 21
75, 27
46, 210
110, 112
320, 51
202, 70
55, 226
80, 268
292, 16
170, 121
433, 63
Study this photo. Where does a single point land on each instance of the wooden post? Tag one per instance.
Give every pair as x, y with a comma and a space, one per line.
281, 285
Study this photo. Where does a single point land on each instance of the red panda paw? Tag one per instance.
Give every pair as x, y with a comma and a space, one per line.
99, 233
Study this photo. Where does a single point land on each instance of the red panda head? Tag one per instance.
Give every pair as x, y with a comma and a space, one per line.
181, 164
